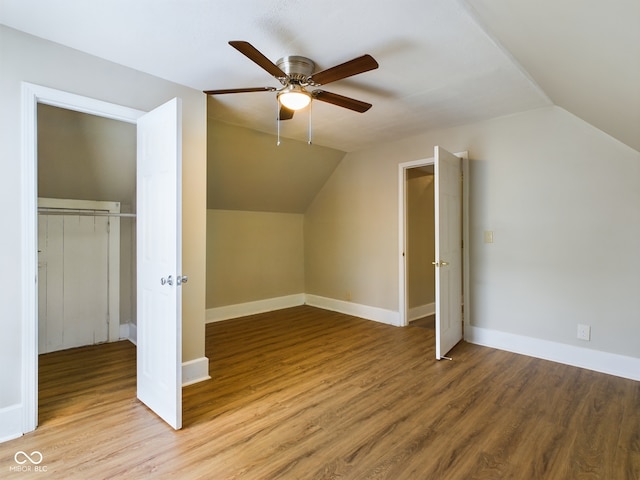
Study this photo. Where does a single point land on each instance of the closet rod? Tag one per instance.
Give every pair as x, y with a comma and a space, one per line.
83, 213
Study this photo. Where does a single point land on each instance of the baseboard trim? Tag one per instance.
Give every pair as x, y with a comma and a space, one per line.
603, 362
10, 422
129, 331
227, 312
376, 314
195, 371
421, 311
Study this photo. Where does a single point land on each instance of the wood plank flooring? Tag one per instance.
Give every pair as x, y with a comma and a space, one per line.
308, 394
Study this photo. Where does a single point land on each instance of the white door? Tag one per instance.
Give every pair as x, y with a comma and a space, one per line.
448, 218
159, 250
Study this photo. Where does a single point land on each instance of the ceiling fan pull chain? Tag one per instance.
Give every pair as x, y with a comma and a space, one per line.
278, 120
310, 124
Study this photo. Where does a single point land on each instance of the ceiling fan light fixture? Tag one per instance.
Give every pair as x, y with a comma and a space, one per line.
294, 97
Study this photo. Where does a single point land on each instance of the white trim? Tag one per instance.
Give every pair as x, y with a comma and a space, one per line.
194, 371
10, 422
404, 315
114, 251
29, 360
227, 312
402, 235
604, 362
367, 312
31, 96
124, 331
466, 261
421, 311
129, 331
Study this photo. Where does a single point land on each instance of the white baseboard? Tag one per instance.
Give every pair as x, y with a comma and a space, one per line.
357, 310
604, 362
421, 311
227, 312
10, 422
195, 371
129, 331
260, 306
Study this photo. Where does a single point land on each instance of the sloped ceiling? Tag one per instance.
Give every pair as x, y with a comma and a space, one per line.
584, 54
247, 170
85, 157
442, 63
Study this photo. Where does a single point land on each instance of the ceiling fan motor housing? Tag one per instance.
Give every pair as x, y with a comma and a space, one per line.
298, 68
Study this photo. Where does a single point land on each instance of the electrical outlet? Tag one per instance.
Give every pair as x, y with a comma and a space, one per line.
584, 332
348, 295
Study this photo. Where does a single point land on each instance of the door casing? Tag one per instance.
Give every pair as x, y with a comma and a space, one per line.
402, 234
32, 95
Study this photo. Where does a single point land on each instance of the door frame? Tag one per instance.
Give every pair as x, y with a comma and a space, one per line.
402, 235
32, 95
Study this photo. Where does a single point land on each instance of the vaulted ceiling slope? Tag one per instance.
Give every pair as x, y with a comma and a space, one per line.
584, 54
442, 62
247, 170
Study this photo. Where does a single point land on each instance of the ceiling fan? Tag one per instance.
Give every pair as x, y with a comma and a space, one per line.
296, 74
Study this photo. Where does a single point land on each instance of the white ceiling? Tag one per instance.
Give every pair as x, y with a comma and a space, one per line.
438, 66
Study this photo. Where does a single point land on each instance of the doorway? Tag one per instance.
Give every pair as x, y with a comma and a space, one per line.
420, 246
451, 235
159, 210
86, 169
34, 95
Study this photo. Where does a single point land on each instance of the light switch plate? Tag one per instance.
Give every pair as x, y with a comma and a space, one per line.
488, 236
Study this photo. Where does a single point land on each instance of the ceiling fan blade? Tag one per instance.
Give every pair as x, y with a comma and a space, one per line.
341, 101
240, 90
253, 54
285, 113
352, 67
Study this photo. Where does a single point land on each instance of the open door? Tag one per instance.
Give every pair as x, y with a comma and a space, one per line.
448, 262
159, 250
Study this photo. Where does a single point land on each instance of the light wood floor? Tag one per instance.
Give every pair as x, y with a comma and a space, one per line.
309, 394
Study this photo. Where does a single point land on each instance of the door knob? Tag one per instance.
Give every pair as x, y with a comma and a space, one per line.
165, 281
440, 264
182, 279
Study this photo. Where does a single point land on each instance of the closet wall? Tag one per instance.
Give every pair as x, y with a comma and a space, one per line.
85, 157
420, 242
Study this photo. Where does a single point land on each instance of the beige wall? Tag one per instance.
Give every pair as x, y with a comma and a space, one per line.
86, 157
351, 240
30, 59
253, 256
421, 286
561, 198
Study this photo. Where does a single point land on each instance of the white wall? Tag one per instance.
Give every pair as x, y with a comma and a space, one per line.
27, 58
562, 198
